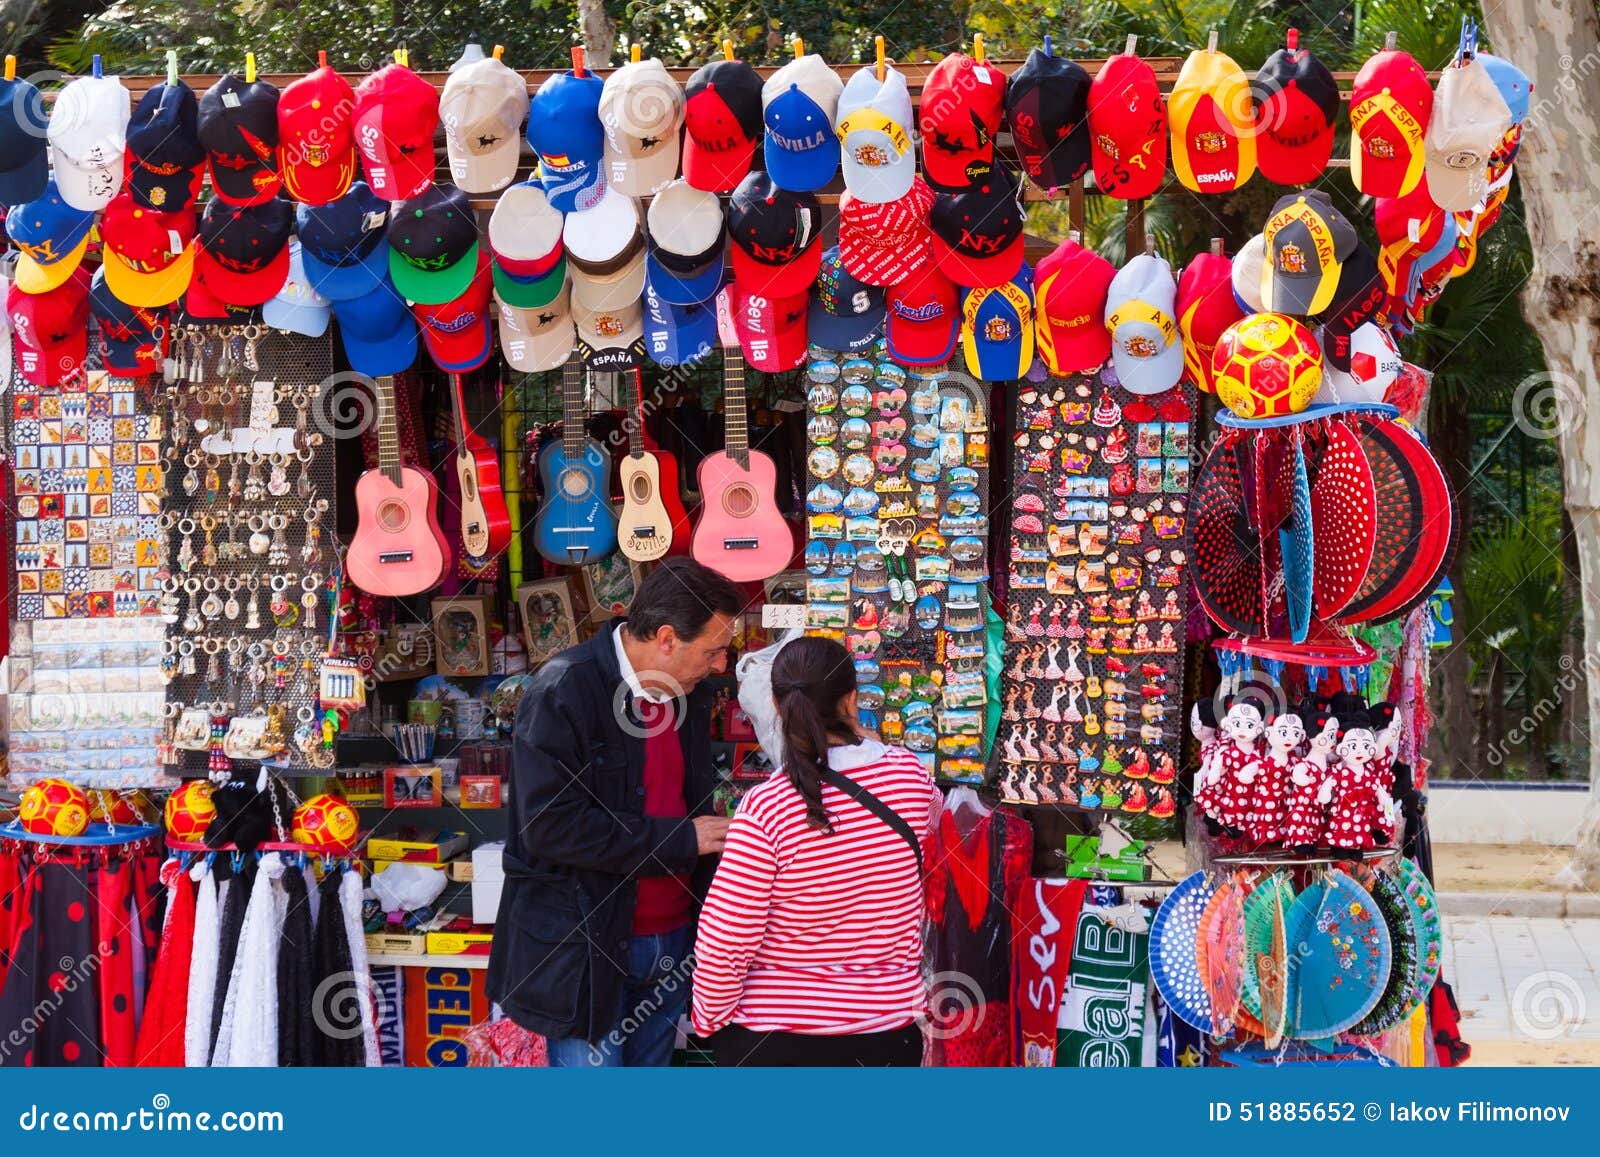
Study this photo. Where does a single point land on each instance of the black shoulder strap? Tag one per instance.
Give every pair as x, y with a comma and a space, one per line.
878, 808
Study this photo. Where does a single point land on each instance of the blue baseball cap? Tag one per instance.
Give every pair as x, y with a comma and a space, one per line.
52, 236
1514, 85
683, 288
997, 329
846, 314
378, 331
564, 129
344, 245
24, 165
676, 335
799, 103
298, 307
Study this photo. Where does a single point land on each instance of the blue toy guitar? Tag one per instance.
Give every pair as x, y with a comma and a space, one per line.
575, 523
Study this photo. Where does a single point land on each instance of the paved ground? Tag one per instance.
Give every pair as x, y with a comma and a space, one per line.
1528, 987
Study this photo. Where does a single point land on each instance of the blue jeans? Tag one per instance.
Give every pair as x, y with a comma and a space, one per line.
653, 997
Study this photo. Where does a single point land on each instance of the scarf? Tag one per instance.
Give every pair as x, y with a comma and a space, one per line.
114, 940
1046, 923
247, 1033
202, 967
336, 996
161, 1032
350, 888
295, 1028
48, 1004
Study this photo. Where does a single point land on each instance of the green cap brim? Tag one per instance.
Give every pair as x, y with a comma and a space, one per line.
432, 288
531, 294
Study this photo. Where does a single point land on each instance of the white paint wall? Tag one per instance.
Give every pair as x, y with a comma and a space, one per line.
1503, 815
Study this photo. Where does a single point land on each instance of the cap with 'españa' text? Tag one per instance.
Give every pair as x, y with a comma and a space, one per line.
1128, 125
1070, 308
1213, 133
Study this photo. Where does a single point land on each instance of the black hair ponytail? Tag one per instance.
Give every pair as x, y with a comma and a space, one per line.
811, 677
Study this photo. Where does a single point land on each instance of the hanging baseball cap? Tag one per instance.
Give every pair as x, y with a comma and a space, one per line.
1407, 227
377, 331
1306, 240
1213, 133
846, 313
605, 253
165, 159
133, 339
298, 307
686, 239
458, 333
997, 329
395, 115
538, 339
777, 237
433, 245
1128, 126
678, 335
344, 246
923, 318
1517, 90
316, 137
51, 237
1047, 107
237, 123
148, 255
24, 145
564, 130
963, 106
1359, 298
799, 103
877, 154
1206, 306
771, 330
1070, 308
525, 233
88, 134
243, 255
1469, 122
1141, 304
610, 339
977, 235
884, 242
51, 329
483, 106
1246, 279
722, 123
641, 111
1296, 105
203, 307
1391, 103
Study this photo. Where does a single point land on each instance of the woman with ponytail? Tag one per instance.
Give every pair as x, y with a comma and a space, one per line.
809, 946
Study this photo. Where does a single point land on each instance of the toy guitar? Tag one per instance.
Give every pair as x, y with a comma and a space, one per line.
741, 532
575, 523
398, 548
652, 516
485, 523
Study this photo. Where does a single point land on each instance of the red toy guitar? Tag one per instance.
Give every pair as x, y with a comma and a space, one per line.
398, 548
485, 523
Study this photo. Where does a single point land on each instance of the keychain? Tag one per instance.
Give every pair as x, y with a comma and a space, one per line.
308, 600
253, 488
169, 660
284, 612
208, 553
259, 539
186, 556
252, 617
311, 550
278, 475
278, 548
213, 477
171, 603
191, 480
258, 663
230, 609
303, 486
280, 665
211, 606
186, 662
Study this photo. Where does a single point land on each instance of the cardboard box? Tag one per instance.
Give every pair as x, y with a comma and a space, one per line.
488, 880
460, 871
396, 943
461, 937
441, 1005
417, 845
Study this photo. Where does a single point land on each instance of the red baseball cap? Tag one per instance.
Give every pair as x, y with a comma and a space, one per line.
963, 105
396, 112
1213, 131
52, 330
1296, 103
148, 255
1069, 309
1127, 128
458, 333
1390, 103
722, 125
316, 137
1407, 227
924, 317
1206, 306
883, 244
772, 330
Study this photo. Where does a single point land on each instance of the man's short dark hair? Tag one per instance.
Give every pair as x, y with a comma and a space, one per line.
681, 594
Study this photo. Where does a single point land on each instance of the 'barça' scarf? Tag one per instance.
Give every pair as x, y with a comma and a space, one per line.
1041, 949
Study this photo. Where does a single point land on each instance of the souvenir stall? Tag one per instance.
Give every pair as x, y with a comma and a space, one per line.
337, 408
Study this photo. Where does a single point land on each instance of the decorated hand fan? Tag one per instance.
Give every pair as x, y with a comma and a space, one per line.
1339, 957
1262, 984
1219, 944
1174, 957
1396, 1001
1225, 547
1298, 551
1398, 518
1425, 914
1269, 485
1343, 507
1434, 531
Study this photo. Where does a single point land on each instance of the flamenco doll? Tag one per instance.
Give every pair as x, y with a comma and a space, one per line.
1361, 816
1269, 785
1221, 793
1310, 782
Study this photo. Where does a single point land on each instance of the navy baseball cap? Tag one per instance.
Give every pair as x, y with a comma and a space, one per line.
165, 158
846, 314
676, 335
344, 246
133, 341
378, 332
24, 162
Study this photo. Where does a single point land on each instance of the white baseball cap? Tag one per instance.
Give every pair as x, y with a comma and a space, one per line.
600, 235
610, 339
88, 134
799, 104
524, 227
536, 340
482, 108
1142, 315
878, 154
1246, 279
1469, 120
641, 109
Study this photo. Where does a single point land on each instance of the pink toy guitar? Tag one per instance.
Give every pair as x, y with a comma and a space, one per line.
398, 548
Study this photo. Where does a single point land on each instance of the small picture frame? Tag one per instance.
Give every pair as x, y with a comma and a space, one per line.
736, 725
750, 762
412, 787
461, 636
608, 587
480, 791
548, 622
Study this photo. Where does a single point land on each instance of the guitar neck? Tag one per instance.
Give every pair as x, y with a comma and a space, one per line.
735, 412
458, 410
572, 410
635, 420
388, 431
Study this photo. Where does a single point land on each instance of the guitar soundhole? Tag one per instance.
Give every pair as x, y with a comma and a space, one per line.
393, 516
739, 500
574, 484
640, 488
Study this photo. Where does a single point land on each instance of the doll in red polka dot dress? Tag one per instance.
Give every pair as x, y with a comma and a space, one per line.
1310, 781
1229, 776
1355, 810
1269, 783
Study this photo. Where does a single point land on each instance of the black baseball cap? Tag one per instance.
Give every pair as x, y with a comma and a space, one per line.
1047, 106
165, 156
238, 125
433, 245
777, 237
1359, 298
133, 340
24, 162
244, 250
977, 235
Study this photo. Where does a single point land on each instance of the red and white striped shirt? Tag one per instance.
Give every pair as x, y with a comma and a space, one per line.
813, 933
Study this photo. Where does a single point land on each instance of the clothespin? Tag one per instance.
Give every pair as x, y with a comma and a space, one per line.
98, 68
877, 46
1074, 236
1390, 41
577, 62
1048, 51
977, 47
402, 56
249, 68
634, 54
322, 58
172, 65
727, 49
11, 68
1149, 244
1291, 39
799, 47
1216, 246
499, 51
1132, 43
1211, 41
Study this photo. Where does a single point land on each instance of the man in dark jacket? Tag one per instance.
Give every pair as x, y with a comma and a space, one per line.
611, 784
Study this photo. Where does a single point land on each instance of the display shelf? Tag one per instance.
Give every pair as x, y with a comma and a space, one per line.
426, 960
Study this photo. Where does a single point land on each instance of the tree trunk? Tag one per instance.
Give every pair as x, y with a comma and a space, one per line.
1451, 749
1558, 43
1574, 737
599, 32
